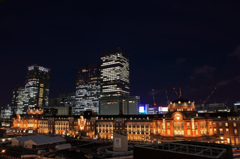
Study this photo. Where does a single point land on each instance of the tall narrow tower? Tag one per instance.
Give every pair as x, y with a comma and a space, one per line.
114, 73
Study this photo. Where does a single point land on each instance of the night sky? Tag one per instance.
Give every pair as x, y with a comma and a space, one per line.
193, 45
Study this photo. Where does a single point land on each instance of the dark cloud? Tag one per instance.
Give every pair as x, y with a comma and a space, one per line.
236, 52
228, 81
205, 71
224, 82
180, 60
194, 90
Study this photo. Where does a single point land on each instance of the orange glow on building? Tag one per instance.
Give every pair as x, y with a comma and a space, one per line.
35, 111
182, 123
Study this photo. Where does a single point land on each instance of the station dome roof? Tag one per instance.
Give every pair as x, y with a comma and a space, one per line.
182, 100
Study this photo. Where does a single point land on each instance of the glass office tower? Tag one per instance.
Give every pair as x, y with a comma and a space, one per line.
114, 73
87, 88
37, 86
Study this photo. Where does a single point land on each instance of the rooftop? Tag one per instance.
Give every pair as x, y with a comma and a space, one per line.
114, 51
182, 100
40, 139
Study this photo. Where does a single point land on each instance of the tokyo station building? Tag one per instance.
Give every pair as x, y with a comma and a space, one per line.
181, 122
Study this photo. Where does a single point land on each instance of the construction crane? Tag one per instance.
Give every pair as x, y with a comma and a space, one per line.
203, 102
209, 95
154, 103
180, 92
168, 101
176, 92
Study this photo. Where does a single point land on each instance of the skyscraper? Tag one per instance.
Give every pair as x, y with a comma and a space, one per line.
87, 88
37, 87
114, 73
114, 98
17, 100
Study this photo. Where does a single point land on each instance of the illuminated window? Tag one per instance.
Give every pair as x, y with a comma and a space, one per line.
188, 132
215, 131
214, 124
228, 140
227, 131
226, 124
221, 131
196, 131
236, 140
168, 125
210, 131
203, 132
131, 101
41, 92
235, 124
40, 101
168, 131
196, 124
188, 124
210, 123
235, 131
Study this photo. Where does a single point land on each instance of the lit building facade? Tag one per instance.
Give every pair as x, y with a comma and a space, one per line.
87, 89
17, 100
34, 122
212, 108
119, 105
182, 122
57, 110
114, 73
237, 106
63, 99
6, 112
37, 87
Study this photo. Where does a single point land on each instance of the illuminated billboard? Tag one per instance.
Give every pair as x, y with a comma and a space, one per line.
162, 109
141, 109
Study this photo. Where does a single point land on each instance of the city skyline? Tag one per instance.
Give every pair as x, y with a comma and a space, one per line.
170, 44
